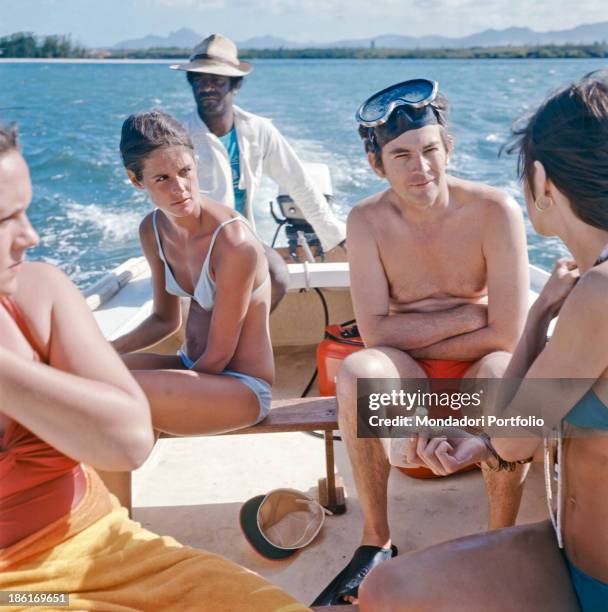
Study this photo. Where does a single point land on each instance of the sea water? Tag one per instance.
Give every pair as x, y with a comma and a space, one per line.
87, 213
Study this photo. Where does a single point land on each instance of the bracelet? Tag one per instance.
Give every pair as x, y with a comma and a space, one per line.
503, 464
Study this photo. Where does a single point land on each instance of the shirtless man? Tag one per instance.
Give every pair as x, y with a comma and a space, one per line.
439, 282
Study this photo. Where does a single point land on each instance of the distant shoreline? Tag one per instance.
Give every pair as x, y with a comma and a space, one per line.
88, 60
177, 54
160, 60
595, 50
26, 46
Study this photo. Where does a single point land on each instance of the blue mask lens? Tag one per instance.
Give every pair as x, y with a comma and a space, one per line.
413, 95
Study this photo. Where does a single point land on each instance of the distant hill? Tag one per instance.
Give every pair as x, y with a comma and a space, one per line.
582, 35
269, 42
185, 38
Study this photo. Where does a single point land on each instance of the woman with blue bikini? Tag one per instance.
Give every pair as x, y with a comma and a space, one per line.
563, 160
199, 249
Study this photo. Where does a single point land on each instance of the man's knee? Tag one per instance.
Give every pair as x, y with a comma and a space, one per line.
362, 364
493, 365
378, 362
367, 363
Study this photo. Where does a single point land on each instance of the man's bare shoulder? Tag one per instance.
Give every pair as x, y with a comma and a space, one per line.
368, 209
489, 201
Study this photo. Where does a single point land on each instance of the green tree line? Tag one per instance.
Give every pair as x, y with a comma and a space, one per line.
510, 52
26, 44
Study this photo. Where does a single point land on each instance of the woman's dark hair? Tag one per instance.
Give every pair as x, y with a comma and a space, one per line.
568, 135
398, 123
143, 133
8, 138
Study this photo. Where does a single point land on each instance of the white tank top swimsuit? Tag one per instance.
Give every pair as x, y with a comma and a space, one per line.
204, 290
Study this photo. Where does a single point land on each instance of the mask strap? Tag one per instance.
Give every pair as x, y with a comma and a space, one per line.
371, 136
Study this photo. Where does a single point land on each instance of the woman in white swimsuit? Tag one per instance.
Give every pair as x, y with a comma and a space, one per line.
196, 248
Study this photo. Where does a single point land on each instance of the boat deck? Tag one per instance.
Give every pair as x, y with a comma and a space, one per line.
193, 488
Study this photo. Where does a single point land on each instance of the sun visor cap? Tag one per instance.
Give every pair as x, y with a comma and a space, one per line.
281, 522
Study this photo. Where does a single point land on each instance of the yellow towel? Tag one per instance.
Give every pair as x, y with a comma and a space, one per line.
116, 565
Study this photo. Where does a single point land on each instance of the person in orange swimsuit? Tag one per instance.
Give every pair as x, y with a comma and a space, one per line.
439, 282
69, 406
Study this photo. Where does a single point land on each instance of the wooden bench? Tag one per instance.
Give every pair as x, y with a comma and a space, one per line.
305, 414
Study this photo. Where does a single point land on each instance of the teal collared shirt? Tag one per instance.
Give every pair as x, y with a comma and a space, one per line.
231, 144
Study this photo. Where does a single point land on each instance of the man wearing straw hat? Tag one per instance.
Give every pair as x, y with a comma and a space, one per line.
235, 148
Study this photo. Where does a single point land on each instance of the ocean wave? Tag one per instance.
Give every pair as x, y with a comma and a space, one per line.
114, 226
87, 212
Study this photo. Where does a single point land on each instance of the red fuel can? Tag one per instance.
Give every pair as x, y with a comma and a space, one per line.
340, 341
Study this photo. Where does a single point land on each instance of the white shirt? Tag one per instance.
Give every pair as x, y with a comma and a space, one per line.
262, 150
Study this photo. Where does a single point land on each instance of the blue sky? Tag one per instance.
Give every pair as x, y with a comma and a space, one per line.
105, 22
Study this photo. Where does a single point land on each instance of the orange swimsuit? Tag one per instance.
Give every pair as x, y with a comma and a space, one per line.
38, 484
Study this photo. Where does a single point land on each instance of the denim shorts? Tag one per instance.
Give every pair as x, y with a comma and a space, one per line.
262, 390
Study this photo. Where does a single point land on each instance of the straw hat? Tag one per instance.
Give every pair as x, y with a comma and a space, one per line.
216, 55
281, 522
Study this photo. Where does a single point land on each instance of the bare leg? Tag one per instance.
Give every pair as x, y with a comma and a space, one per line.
504, 488
367, 455
279, 276
519, 568
152, 361
183, 402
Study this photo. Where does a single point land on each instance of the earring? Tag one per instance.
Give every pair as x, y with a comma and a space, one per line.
543, 203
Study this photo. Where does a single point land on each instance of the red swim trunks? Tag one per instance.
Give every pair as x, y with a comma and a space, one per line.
436, 370
444, 368
444, 375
